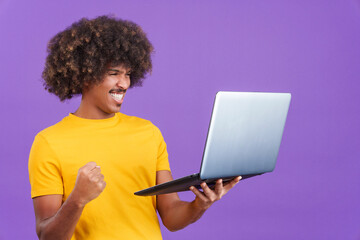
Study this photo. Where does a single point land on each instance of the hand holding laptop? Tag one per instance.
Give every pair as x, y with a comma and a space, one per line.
208, 196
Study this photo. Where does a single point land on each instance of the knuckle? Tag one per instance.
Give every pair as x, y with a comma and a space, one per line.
81, 173
91, 179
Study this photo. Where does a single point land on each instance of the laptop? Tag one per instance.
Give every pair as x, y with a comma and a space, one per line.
243, 139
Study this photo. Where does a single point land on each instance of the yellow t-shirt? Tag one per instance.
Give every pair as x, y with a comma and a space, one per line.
129, 151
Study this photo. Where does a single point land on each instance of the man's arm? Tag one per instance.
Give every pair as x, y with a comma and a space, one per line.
55, 220
177, 214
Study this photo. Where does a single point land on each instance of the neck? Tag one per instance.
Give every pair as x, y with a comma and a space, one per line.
90, 111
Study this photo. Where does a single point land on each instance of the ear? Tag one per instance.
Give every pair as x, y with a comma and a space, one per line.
84, 89
86, 86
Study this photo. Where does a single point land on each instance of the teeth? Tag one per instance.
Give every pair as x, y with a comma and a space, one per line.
117, 96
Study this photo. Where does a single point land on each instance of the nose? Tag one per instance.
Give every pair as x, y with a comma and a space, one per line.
123, 82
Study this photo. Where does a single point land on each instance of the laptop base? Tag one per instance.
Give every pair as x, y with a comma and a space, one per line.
183, 184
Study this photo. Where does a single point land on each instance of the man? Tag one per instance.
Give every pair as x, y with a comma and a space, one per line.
85, 169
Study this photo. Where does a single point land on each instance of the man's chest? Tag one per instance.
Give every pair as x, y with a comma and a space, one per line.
119, 155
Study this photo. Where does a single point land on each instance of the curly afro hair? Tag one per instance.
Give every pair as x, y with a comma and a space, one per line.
79, 55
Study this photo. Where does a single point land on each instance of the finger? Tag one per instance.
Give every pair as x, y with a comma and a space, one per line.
207, 191
96, 169
89, 166
219, 187
103, 185
232, 183
101, 178
198, 193
94, 173
237, 179
97, 178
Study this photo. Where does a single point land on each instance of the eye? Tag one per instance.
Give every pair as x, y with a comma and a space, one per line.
113, 73
128, 74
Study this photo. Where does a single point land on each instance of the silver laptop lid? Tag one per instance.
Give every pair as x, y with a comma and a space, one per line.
244, 134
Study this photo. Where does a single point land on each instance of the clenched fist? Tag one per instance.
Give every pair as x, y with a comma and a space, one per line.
89, 183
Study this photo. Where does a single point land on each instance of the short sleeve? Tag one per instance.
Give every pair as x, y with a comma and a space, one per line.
162, 154
44, 169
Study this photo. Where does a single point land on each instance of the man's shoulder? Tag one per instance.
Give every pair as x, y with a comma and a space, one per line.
140, 123
136, 120
53, 130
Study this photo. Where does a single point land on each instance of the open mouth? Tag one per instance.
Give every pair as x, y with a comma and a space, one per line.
117, 96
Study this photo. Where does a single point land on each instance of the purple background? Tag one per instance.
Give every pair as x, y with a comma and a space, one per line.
310, 48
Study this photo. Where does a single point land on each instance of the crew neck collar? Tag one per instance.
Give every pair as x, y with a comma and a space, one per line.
97, 122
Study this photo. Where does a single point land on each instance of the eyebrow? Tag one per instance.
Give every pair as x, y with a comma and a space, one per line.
114, 70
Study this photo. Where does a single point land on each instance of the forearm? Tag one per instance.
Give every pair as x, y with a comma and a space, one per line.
182, 214
62, 224
176, 214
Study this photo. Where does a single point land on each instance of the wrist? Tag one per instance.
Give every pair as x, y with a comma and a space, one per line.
76, 200
198, 206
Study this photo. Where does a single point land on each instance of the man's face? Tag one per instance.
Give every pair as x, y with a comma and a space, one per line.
105, 99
